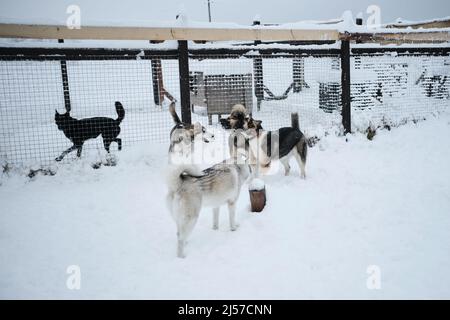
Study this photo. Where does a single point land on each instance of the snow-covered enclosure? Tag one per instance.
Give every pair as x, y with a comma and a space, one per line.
364, 203
382, 203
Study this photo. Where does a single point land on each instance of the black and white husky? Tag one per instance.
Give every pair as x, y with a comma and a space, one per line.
281, 144
191, 189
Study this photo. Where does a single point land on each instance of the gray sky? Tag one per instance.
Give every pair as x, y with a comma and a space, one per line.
240, 11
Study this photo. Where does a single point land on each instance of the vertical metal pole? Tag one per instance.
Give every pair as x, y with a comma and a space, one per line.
359, 22
65, 83
345, 82
257, 23
158, 93
298, 74
258, 80
209, 10
183, 65
258, 74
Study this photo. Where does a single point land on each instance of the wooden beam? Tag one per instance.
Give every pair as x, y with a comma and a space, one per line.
149, 33
398, 37
425, 25
214, 34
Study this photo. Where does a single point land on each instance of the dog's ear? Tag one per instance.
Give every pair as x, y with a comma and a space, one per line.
198, 128
225, 123
56, 112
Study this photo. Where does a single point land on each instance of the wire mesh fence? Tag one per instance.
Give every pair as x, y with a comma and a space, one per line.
393, 88
37, 89
303, 84
270, 86
32, 92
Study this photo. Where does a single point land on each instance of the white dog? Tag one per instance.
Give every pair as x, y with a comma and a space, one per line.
191, 189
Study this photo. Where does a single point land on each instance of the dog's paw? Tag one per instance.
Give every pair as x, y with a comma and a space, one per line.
58, 159
215, 227
234, 228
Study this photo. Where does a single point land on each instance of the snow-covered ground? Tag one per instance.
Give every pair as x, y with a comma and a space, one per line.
384, 202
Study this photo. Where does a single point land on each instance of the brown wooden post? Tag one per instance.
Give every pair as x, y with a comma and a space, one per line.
183, 65
158, 83
298, 74
258, 80
257, 200
345, 83
65, 83
258, 74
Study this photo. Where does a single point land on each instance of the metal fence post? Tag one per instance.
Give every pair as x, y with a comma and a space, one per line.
65, 83
258, 74
298, 74
345, 83
158, 93
259, 80
183, 65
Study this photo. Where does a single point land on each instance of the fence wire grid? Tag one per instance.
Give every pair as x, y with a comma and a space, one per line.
385, 88
271, 87
391, 89
31, 92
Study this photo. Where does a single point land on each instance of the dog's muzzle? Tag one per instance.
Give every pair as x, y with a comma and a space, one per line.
208, 137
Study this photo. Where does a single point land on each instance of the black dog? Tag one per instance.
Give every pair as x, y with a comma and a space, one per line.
78, 131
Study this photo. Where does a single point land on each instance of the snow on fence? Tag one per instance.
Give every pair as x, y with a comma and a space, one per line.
392, 86
332, 87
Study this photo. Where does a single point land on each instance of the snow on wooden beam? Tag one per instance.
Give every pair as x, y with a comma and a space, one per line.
214, 34
438, 23
163, 33
398, 37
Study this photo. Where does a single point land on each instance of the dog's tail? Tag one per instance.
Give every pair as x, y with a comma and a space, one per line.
177, 174
120, 112
294, 121
173, 113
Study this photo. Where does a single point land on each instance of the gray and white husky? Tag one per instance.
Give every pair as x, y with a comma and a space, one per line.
184, 136
191, 189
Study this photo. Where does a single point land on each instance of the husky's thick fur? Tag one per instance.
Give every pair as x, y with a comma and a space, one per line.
183, 135
281, 144
78, 131
191, 189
